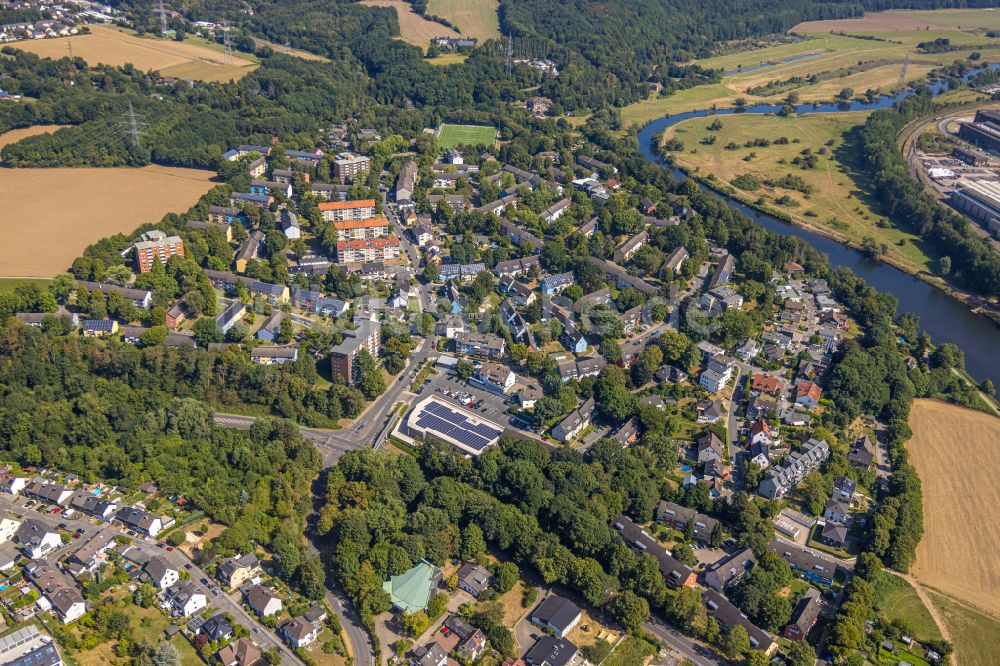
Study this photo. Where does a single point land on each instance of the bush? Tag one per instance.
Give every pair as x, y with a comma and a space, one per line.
176, 538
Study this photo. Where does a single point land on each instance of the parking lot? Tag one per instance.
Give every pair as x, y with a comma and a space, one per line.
451, 389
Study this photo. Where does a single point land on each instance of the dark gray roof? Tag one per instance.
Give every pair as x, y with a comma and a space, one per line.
557, 612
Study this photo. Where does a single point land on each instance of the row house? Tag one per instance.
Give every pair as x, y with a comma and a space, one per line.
781, 479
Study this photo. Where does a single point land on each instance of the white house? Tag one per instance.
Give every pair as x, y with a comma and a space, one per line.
8, 528
263, 601
36, 538
186, 598
12, 485
299, 632
162, 574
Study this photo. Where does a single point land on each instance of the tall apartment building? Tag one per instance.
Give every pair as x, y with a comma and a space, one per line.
366, 250
156, 244
344, 357
362, 229
341, 211
348, 167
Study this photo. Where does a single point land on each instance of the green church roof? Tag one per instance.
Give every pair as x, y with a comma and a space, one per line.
411, 591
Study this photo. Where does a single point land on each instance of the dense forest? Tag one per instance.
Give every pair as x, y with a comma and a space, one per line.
972, 263
124, 416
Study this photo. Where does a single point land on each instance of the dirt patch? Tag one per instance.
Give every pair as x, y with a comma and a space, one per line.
958, 552
413, 28
196, 537
880, 22
52, 215
108, 46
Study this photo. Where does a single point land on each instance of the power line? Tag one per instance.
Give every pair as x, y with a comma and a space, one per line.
510, 54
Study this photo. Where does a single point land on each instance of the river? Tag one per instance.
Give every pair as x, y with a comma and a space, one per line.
944, 318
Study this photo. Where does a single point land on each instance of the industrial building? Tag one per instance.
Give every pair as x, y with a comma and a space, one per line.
983, 131
980, 200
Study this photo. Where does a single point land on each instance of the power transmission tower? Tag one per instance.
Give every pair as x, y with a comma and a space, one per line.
227, 43
163, 20
902, 72
133, 124
69, 43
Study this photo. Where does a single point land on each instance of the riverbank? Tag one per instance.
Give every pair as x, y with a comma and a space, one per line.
973, 302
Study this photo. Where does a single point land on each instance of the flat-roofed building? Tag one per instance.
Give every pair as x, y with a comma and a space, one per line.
375, 227
340, 211
343, 357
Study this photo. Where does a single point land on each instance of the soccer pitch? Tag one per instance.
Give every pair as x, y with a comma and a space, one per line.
450, 136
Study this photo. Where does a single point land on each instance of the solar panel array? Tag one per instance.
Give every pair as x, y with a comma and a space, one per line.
457, 426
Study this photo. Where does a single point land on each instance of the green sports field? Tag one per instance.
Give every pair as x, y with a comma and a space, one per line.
450, 136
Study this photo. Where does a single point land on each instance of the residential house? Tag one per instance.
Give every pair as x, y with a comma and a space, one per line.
577, 421
675, 261
91, 555
804, 616
289, 224
749, 350
474, 579
834, 535
557, 614
457, 202
520, 293
844, 488
670, 373
406, 183
232, 313
549, 651
139, 520
723, 271
809, 564
594, 299
480, 345
730, 570
248, 250
263, 601
431, 654
362, 229
271, 328
578, 369
93, 505
225, 215
368, 250
767, 384
470, 641
679, 517
495, 378
710, 447
807, 394
217, 628
626, 434
12, 485
781, 479
627, 250
49, 493
555, 211
761, 433
862, 453
299, 632
248, 199
36, 538
62, 595
99, 328
722, 299
676, 574
263, 355
239, 569
8, 528
161, 573
241, 652
710, 411
728, 616
554, 284
759, 454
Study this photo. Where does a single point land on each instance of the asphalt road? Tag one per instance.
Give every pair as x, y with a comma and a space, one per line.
260, 634
684, 646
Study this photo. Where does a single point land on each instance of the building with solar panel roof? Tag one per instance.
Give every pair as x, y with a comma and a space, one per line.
462, 429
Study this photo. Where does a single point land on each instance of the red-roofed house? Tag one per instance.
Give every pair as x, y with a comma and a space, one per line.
761, 433
768, 384
808, 394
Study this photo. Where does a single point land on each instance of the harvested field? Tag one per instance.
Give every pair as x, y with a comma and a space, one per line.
976, 636
475, 18
892, 21
81, 206
16, 135
413, 28
109, 46
957, 555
